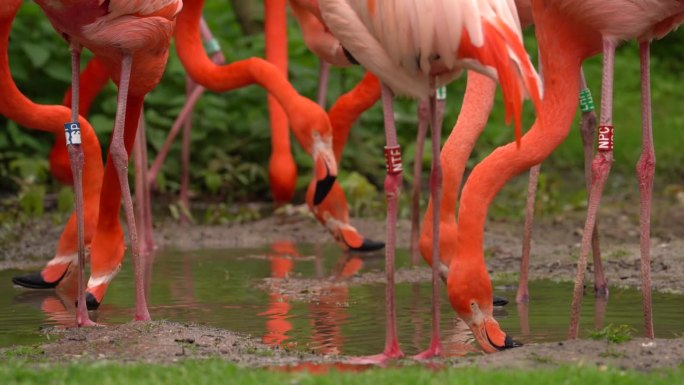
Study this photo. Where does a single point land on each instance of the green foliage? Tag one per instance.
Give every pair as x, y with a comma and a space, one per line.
214, 371
364, 198
613, 334
231, 138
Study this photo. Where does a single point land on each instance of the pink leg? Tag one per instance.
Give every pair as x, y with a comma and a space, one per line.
184, 198
645, 171
392, 188
142, 191
117, 151
587, 130
175, 129
523, 294
600, 171
435, 348
76, 161
423, 110
323, 76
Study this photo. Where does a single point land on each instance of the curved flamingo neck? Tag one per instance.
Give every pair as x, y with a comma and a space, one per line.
562, 49
227, 77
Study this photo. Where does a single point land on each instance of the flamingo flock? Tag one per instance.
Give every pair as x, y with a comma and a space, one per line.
408, 48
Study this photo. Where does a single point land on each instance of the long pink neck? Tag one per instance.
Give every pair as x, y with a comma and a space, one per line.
228, 77
562, 50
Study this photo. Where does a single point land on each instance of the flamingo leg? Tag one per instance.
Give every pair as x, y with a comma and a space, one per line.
588, 130
393, 181
175, 129
323, 77
523, 294
76, 161
184, 198
600, 170
142, 191
117, 151
435, 348
423, 110
645, 171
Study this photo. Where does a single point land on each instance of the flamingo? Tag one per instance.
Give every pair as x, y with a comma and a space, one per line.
327, 47
80, 227
400, 43
332, 212
470, 125
132, 39
308, 121
568, 32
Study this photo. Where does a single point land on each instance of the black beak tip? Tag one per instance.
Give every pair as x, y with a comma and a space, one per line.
510, 343
368, 245
34, 281
323, 187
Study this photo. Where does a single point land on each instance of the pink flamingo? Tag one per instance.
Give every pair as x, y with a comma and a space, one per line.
132, 39
79, 230
568, 32
403, 43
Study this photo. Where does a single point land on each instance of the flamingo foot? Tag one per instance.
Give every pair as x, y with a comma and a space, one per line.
142, 315
435, 350
85, 321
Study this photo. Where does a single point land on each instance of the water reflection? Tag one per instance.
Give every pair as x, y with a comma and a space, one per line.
217, 288
277, 324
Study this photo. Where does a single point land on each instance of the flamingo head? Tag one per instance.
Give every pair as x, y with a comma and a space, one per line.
470, 293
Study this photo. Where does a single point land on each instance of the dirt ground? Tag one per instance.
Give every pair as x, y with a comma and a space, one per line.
555, 249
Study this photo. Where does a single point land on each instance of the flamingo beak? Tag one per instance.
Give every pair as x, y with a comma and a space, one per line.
489, 335
325, 174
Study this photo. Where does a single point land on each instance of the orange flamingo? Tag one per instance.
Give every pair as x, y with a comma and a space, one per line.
136, 59
333, 212
483, 36
567, 32
80, 227
309, 123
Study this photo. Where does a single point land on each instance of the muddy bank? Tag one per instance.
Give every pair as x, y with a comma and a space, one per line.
638, 354
169, 342
555, 245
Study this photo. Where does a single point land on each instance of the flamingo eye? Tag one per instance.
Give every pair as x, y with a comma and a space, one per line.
473, 305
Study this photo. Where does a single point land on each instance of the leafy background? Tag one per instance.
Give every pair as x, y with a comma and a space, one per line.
230, 134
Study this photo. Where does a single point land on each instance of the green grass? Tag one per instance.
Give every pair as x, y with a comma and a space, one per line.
613, 334
219, 372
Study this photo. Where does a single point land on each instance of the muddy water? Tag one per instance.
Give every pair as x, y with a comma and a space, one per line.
216, 288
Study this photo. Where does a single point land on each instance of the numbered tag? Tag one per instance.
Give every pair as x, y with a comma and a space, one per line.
73, 133
605, 138
393, 160
586, 101
441, 93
